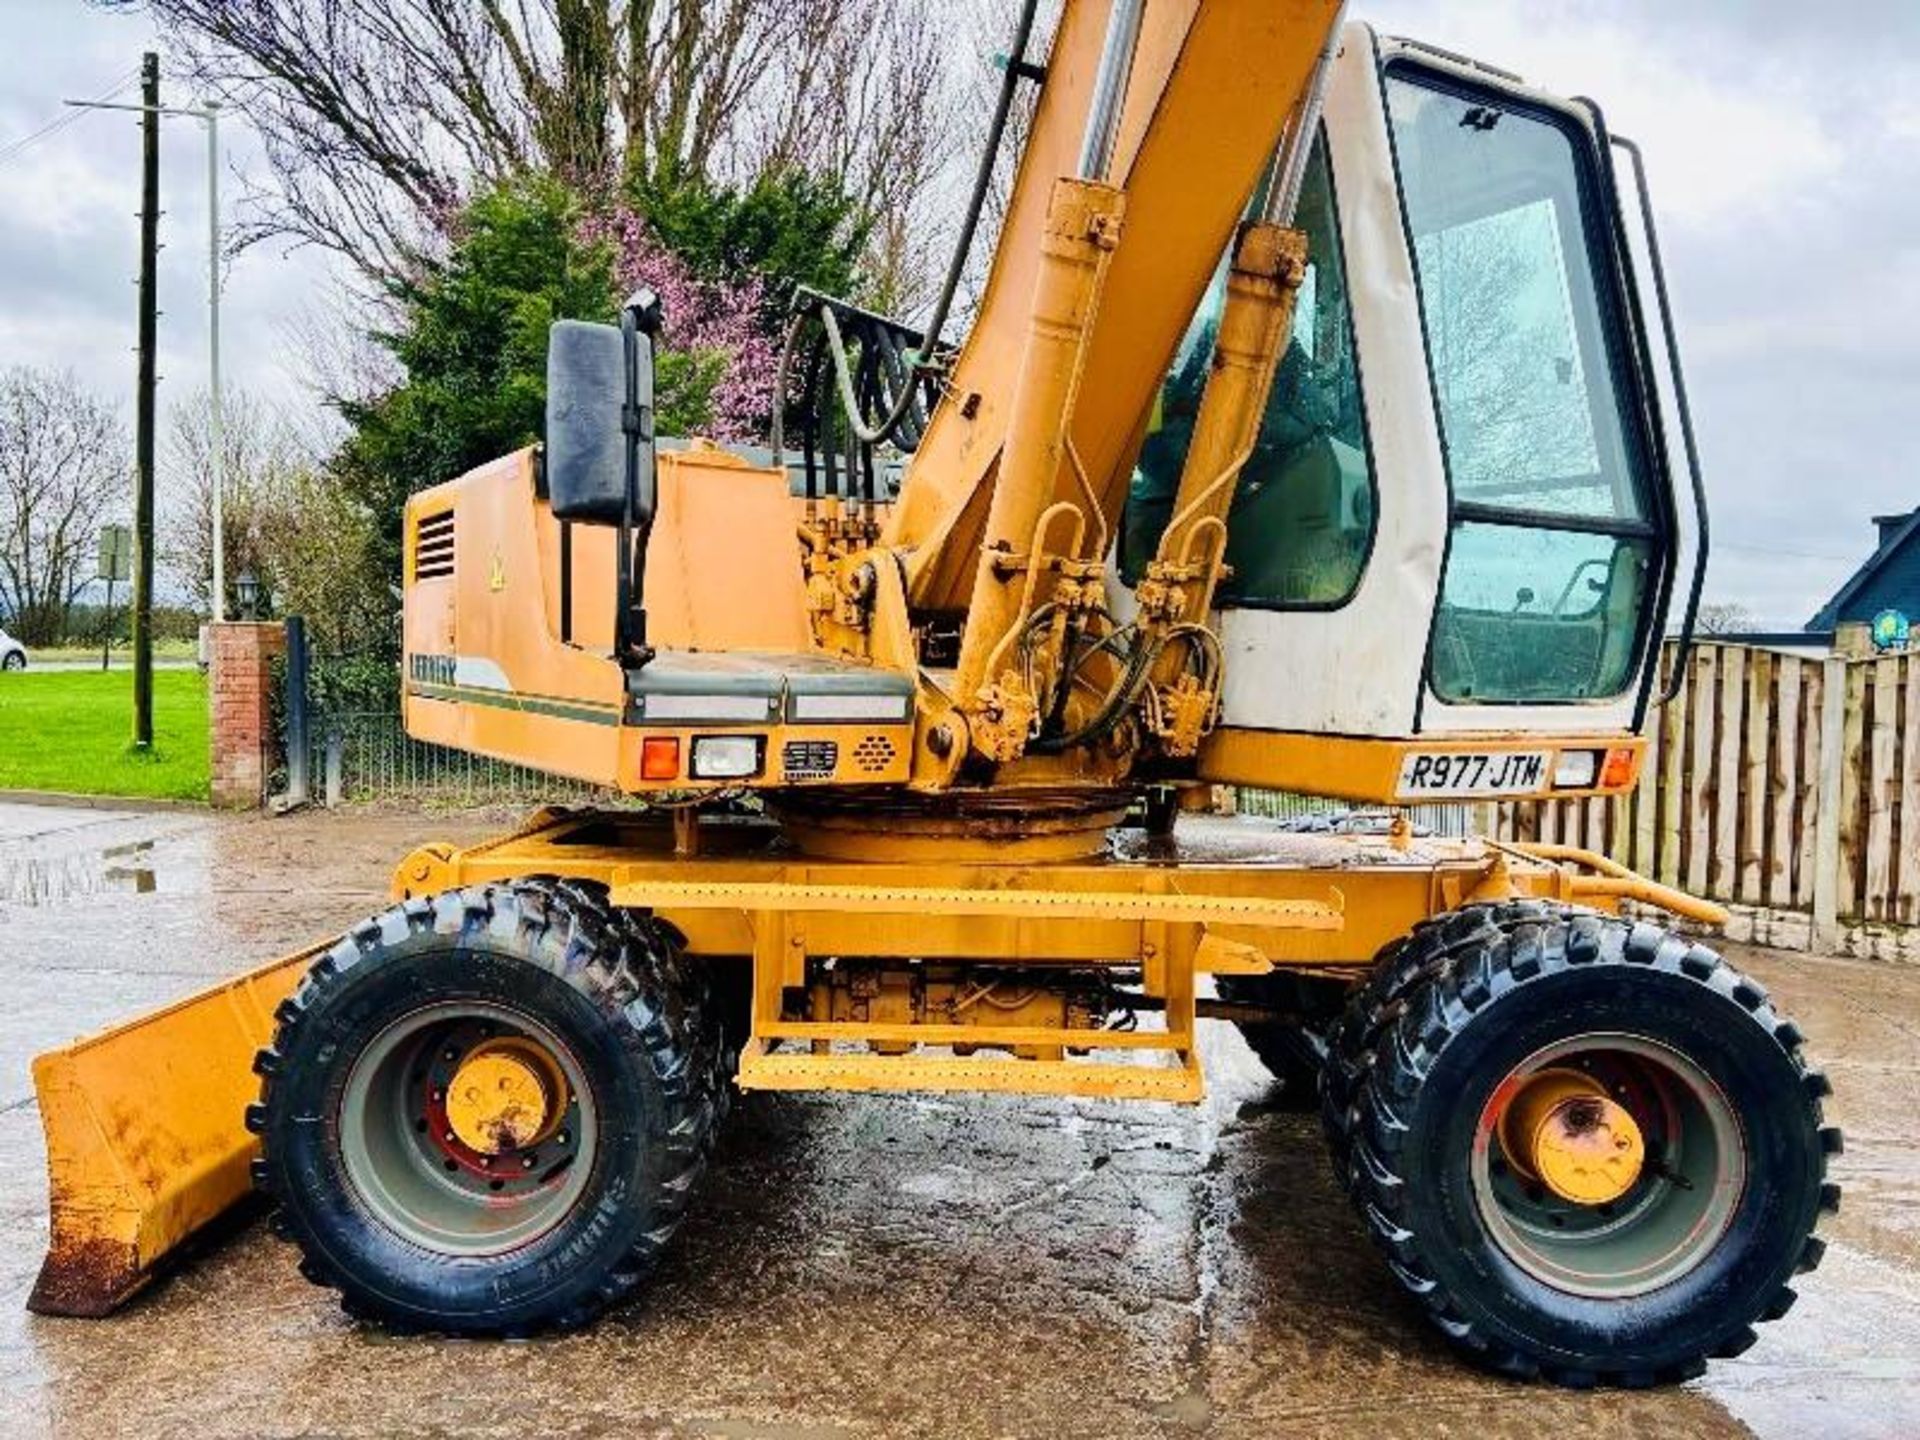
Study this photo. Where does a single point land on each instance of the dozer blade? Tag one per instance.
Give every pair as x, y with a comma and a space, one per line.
146, 1136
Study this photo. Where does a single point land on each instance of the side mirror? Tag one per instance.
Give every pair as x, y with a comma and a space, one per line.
586, 453
599, 444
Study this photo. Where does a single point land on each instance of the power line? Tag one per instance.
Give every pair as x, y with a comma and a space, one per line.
60, 122
1791, 554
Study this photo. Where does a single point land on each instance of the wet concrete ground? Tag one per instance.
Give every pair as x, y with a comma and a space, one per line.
873, 1265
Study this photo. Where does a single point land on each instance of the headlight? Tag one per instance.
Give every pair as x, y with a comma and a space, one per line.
1575, 769
726, 757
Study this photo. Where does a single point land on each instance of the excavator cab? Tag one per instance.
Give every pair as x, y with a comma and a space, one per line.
1460, 517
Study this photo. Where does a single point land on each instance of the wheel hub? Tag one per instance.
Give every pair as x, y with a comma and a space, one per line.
501, 1098
1564, 1130
1568, 1203
467, 1128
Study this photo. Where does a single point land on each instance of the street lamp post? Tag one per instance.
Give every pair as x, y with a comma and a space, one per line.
216, 417
216, 414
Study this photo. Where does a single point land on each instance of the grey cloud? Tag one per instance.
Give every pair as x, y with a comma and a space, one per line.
68, 235
1749, 29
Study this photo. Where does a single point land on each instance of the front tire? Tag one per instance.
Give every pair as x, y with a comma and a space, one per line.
1647, 1285
417, 1212
14, 660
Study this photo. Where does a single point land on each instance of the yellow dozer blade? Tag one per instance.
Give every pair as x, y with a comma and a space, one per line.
146, 1137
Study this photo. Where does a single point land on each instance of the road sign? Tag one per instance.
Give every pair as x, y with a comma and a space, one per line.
116, 552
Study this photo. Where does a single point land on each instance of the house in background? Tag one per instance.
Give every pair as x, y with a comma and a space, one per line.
1889, 580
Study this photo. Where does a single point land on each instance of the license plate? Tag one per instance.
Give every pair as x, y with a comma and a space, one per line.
1458, 774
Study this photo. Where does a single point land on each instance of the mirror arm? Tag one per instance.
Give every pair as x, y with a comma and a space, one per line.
639, 324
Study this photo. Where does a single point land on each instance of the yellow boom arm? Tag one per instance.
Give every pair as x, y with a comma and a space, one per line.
1211, 87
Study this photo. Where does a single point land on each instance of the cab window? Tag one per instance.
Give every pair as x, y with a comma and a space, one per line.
1552, 553
1302, 520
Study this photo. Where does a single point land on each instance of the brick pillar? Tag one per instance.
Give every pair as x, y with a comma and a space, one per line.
242, 670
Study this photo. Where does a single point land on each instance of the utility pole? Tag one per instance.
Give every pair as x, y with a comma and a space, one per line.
144, 402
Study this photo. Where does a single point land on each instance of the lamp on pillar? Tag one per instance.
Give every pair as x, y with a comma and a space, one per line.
247, 590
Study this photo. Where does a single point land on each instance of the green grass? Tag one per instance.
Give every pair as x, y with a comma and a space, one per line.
69, 731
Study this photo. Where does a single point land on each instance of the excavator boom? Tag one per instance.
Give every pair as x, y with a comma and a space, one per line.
1199, 124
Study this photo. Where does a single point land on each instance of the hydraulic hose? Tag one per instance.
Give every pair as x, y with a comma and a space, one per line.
1016, 70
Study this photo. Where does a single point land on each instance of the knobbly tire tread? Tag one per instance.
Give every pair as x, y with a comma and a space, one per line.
1374, 1004
1424, 993
632, 967
1293, 1054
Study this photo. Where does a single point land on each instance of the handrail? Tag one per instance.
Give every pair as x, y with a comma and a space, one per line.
1612, 880
856, 360
1687, 436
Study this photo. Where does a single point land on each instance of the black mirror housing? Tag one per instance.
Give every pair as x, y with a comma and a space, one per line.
599, 464
600, 416
586, 450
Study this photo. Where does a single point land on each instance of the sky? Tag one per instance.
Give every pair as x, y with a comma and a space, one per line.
69, 232
1784, 151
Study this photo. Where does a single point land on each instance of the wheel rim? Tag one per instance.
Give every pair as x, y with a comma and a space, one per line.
467, 1129
1663, 1216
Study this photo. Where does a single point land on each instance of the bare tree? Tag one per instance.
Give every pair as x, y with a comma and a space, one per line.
287, 520
64, 463
993, 24
1723, 618
379, 116
868, 98
265, 456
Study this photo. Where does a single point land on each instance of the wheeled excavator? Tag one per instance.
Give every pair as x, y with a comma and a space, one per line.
1320, 428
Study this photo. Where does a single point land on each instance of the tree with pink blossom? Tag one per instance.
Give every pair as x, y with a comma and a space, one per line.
718, 360
469, 328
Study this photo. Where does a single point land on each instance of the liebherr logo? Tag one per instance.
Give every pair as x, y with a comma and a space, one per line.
431, 669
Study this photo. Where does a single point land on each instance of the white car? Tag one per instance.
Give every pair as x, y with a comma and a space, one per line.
13, 655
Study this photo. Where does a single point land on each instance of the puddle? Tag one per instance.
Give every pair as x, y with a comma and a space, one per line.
48, 870
55, 881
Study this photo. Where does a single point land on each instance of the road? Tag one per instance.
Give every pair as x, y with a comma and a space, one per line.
876, 1265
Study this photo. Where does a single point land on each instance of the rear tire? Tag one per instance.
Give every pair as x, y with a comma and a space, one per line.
14, 661
1294, 1053
415, 1233
1643, 1289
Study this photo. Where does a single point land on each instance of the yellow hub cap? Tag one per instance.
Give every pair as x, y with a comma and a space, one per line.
502, 1098
1565, 1131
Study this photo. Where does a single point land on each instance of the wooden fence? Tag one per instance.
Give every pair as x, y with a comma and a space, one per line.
1785, 786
